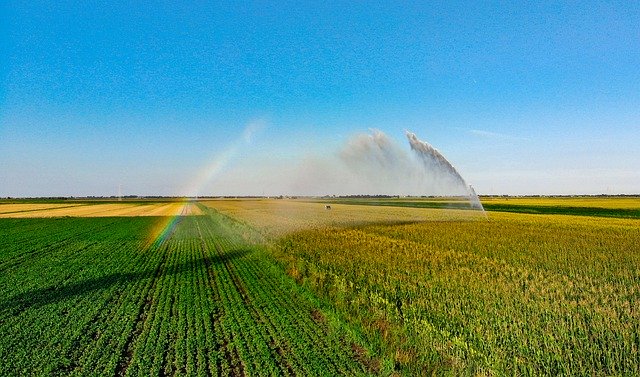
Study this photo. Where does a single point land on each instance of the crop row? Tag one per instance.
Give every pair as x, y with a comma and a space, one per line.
89, 296
50, 298
271, 315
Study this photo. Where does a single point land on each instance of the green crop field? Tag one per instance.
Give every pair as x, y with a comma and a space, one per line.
89, 296
287, 287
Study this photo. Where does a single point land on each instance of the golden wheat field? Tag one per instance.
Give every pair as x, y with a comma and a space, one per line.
512, 293
97, 210
25, 207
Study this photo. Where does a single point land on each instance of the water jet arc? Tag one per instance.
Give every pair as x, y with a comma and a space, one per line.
433, 159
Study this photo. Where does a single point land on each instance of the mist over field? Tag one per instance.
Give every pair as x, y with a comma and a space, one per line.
366, 164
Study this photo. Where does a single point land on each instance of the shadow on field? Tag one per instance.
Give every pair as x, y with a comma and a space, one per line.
52, 294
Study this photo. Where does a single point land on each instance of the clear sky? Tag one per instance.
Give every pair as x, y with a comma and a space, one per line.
169, 98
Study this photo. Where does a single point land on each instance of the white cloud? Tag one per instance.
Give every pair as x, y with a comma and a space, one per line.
492, 135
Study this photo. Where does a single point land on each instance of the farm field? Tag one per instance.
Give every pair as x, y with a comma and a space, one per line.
620, 202
288, 287
279, 217
85, 296
520, 293
618, 207
97, 210
10, 208
621, 207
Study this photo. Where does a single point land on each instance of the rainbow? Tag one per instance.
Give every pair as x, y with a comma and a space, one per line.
163, 229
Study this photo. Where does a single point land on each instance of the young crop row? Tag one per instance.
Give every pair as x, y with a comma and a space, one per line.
271, 314
51, 298
88, 297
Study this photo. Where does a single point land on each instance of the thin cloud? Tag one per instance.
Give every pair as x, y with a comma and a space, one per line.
491, 135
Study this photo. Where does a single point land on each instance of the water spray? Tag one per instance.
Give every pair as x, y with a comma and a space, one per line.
434, 160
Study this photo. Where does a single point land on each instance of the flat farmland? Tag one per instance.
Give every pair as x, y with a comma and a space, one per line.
514, 293
617, 207
290, 287
275, 217
115, 209
93, 296
11, 208
620, 202
620, 207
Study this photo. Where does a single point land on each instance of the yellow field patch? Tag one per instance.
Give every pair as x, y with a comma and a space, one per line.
106, 210
20, 207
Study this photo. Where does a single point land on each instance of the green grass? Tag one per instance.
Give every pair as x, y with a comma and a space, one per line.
85, 296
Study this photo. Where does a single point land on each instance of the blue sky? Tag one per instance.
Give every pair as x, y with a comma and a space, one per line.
523, 98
